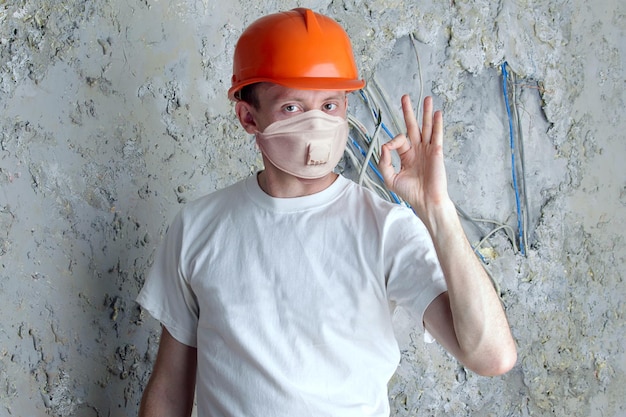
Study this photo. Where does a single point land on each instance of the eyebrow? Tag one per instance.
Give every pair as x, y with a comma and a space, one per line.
337, 96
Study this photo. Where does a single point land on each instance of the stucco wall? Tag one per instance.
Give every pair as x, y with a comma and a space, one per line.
113, 114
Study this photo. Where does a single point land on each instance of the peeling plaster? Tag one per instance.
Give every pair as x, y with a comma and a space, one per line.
113, 115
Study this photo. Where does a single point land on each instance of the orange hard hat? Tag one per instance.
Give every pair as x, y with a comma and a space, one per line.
297, 49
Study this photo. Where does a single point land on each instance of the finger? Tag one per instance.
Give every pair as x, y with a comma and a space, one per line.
437, 136
385, 167
427, 120
400, 143
412, 127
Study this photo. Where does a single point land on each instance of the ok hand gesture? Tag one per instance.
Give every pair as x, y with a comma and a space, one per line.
421, 180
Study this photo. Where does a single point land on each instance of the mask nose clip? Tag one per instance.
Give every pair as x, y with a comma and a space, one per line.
318, 153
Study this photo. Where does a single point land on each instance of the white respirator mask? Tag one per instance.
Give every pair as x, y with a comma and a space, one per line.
308, 145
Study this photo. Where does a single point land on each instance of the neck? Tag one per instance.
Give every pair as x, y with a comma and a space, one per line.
281, 185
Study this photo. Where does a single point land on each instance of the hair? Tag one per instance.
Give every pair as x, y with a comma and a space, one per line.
249, 95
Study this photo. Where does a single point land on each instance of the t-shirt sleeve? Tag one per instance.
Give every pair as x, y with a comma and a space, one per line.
414, 275
166, 294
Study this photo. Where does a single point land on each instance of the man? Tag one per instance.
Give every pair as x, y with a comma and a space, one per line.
277, 293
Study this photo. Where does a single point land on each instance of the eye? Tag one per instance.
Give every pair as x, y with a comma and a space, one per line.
330, 106
290, 108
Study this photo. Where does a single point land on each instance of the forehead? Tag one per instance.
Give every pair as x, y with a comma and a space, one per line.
275, 92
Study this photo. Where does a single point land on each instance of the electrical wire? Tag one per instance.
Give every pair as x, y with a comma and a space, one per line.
354, 149
520, 145
376, 90
374, 145
372, 98
419, 71
363, 151
520, 226
498, 226
372, 102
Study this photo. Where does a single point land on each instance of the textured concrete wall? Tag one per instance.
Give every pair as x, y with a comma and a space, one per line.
113, 114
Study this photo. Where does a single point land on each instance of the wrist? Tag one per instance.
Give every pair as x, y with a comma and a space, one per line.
439, 217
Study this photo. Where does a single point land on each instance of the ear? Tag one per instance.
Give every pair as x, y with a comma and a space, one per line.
245, 115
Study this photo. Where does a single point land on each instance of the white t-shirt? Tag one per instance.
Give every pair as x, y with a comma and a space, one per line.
289, 301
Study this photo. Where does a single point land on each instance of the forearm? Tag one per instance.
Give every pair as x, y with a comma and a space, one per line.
171, 388
468, 320
480, 325
158, 401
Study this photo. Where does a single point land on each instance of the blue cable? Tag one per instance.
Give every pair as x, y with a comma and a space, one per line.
382, 124
373, 167
480, 255
520, 226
